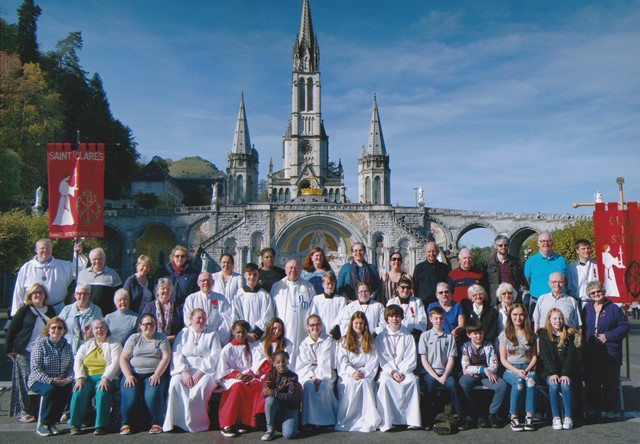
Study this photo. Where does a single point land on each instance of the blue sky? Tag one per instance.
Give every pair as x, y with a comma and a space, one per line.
520, 106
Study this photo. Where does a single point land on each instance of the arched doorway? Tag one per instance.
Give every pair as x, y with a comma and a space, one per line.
156, 241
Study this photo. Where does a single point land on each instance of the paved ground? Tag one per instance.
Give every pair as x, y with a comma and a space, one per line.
622, 431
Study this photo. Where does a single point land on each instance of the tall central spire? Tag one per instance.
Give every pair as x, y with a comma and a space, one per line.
306, 53
376, 139
241, 141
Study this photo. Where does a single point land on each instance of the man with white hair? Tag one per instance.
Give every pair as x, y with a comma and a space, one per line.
215, 306
428, 273
104, 281
463, 277
292, 297
539, 266
55, 275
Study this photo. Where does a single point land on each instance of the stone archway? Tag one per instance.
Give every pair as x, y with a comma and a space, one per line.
156, 241
332, 234
472, 226
517, 239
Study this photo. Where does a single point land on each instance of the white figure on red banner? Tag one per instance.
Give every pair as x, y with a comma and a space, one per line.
64, 216
609, 262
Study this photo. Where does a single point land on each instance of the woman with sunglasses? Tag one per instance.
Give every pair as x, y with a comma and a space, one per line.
605, 326
414, 317
391, 279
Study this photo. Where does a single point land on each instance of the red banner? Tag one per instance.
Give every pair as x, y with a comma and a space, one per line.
76, 189
617, 246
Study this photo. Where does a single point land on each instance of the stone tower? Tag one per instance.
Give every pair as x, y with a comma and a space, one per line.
306, 169
242, 164
374, 175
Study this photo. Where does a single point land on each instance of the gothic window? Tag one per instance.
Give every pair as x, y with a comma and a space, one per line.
281, 195
338, 196
367, 190
287, 194
240, 190
377, 190
309, 94
331, 195
274, 195
301, 90
249, 189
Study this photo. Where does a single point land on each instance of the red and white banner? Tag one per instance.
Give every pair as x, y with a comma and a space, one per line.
76, 189
617, 246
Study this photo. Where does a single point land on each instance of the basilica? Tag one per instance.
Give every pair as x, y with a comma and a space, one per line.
305, 203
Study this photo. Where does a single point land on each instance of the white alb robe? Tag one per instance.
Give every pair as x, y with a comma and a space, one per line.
328, 309
292, 301
398, 402
234, 359
415, 316
230, 288
218, 312
188, 408
317, 358
357, 405
255, 308
374, 312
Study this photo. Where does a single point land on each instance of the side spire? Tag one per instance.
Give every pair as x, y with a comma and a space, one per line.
306, 53
241, 140
376, 139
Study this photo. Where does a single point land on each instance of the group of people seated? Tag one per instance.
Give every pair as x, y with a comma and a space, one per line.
302, 352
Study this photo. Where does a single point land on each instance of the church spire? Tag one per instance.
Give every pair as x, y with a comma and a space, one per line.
241, 140
376, 139
306, 53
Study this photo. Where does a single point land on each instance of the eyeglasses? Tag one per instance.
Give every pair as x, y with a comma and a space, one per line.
502, 245
444, 292
405, 287
543, 241
180, 255
148, 324
477, 295
396, 259
56, 327
595, 292
315, 325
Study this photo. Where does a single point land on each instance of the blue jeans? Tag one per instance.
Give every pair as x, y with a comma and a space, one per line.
275, 410
80, 400
467, 383
54, 400
554, 393
520, 388
454, 392
155, 397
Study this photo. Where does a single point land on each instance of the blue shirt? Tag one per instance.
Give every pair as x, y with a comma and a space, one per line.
537, 270
450, 317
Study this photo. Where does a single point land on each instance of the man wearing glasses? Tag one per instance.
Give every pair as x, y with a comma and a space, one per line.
539, 266
501, 267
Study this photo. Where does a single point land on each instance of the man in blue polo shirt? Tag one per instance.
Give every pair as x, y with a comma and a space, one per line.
539, 266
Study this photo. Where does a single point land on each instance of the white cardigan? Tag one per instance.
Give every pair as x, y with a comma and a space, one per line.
110, 350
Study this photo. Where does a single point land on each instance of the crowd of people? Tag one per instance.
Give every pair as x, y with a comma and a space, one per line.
302, 347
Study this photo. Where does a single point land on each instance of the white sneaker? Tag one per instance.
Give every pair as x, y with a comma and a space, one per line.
567, 424
556, 423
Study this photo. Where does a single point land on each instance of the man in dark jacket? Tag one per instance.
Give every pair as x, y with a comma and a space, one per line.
427, 274
501, 267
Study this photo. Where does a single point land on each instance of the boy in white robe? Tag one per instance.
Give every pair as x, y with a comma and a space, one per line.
328, 306
253, 304
292, 298
414, 315
316, 373
398, 395
373, 310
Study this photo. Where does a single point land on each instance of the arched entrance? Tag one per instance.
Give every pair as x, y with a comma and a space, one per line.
156, 241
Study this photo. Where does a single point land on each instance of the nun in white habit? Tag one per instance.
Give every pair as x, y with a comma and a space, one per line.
316, 374
196, 352
398, 395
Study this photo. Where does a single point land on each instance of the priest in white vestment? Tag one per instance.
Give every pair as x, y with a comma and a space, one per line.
292, 297
215, 305
398, 395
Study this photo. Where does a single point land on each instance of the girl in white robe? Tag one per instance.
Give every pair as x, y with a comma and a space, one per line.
316, 374
414, 315
373, 310
273, 340
357, 367
253, 304
398, 395
227, 281
196, 352
328, 306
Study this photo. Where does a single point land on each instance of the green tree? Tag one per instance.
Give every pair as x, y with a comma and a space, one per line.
146, 200
31, 115
9, 176
564, 239
28, 14
8, 37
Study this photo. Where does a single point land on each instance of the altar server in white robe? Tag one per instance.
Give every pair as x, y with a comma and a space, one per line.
357, 361
316, 374
415, 316
292, 297
373, 310
274, 339
196, 352
328, 306
398, 395
215, 305
253, 304
227, 281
